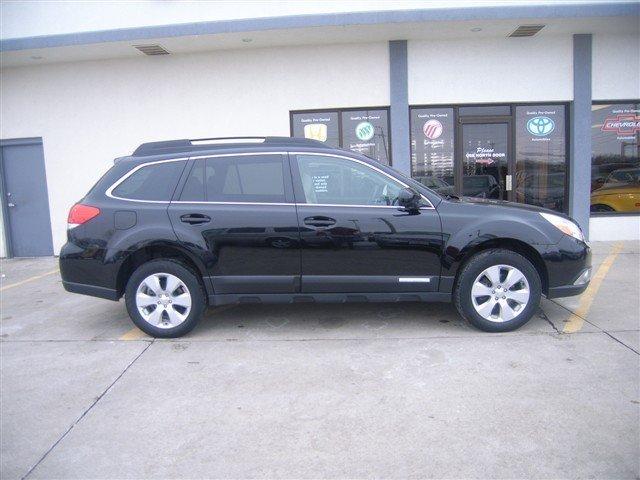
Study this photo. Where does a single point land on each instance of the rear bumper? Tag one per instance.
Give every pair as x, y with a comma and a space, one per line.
92, 290
84, 271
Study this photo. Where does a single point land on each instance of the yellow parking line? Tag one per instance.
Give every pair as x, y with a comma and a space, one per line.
30, 279
134, 334
576, 320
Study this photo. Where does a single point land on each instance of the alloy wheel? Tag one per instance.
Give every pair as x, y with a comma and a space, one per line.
500, 293
163, 300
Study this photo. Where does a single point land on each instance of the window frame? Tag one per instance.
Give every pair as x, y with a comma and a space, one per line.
301, 197
611, 214
123, 178
286, 174
339, 112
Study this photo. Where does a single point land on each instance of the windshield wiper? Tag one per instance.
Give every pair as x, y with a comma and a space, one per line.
451, 195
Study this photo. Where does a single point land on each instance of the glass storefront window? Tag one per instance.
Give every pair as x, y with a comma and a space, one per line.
541, 156
322, 126
367, 132
432, 148
615, 157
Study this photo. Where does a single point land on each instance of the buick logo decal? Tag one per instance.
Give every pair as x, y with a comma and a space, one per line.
432, 129
540, 126
364, 131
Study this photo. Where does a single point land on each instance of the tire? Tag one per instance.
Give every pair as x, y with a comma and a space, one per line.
600, 207
159, 312
509, 311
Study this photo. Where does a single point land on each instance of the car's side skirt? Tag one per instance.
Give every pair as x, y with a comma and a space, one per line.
225, 299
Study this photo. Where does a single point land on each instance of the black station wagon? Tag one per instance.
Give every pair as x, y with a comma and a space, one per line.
183, 224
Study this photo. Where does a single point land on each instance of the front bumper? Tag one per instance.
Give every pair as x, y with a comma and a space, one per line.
568, 266
566, 290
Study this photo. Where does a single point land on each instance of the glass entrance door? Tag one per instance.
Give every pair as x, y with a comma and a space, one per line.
485, 159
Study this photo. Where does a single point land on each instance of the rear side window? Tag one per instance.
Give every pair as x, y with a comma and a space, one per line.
154, 182
242, 178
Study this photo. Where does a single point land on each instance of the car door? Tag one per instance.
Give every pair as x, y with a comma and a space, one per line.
354, 237
237, 212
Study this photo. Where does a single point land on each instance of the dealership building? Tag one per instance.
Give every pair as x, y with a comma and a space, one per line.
532, 102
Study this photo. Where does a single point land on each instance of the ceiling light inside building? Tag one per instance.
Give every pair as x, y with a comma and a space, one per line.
151, 49
526, 30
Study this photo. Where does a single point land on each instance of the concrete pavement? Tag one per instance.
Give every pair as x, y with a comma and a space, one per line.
309, 391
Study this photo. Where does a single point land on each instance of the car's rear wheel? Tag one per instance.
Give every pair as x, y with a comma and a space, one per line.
498, 290
164, 298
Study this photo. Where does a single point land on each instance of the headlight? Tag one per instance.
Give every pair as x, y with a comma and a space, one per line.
565, 226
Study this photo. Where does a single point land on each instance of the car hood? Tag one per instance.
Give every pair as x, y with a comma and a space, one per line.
616, 189
513, 206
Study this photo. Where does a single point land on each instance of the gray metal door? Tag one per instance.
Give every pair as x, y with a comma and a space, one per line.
26, 201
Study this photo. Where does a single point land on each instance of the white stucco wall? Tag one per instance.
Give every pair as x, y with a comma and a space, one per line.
491, 70
616, 67
91, 112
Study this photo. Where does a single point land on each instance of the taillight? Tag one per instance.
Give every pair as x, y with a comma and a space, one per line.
80, 214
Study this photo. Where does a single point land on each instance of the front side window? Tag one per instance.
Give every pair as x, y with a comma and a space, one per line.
337, 181
242, 178
615, 158
154, 182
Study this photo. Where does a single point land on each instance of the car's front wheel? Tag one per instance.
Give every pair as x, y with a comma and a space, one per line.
498, 290
164, 298
600, 207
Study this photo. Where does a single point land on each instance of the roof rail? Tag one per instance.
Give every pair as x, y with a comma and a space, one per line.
189, 145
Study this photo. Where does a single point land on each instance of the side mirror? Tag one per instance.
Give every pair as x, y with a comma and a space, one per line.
409, 199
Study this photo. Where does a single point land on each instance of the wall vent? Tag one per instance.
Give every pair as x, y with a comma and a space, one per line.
151, 49
526, 30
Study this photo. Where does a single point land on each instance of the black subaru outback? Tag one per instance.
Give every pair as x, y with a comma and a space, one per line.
183, 224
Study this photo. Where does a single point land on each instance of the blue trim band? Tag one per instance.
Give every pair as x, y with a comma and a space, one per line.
613, 9
12, 142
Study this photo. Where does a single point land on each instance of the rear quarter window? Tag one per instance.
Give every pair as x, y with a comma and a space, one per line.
154, 182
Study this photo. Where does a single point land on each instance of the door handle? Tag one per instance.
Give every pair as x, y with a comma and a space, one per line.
319, 221
195, 218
